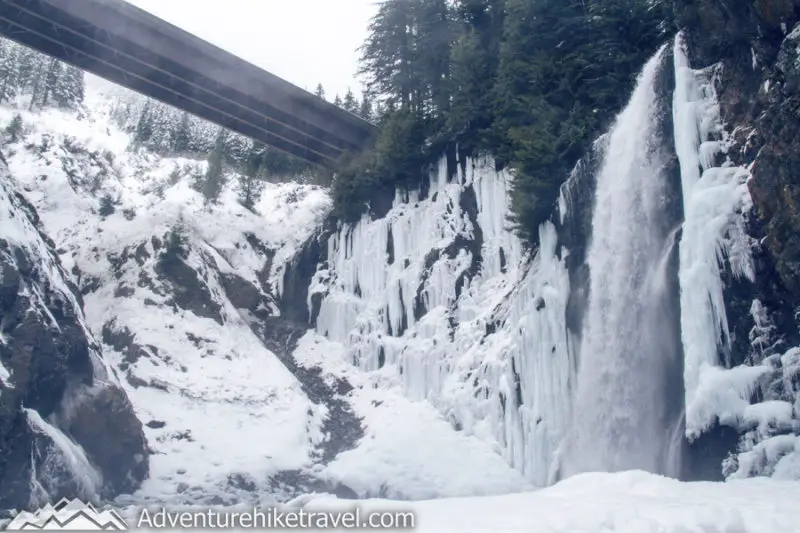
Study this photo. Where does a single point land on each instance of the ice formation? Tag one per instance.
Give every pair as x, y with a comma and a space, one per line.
439, 298
715, 196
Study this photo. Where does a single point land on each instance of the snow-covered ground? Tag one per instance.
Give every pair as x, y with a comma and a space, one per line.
626, 502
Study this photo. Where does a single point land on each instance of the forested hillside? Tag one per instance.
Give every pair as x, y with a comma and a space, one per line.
531, 83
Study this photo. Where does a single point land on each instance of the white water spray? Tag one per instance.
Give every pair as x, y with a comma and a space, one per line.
620, 417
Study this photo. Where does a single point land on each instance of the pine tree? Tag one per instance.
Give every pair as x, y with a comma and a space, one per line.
30, 66
51, 80
144, 126
386, 56
350, 103
320, 91
215, 179
14, 129
365, 109
181, 134
37, 79
250, 182
76, 82
9, 71
68, 88
337, 101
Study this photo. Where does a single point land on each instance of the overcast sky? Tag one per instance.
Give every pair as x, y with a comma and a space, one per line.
303, 41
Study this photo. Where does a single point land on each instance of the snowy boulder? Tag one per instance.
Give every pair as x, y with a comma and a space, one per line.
66, 427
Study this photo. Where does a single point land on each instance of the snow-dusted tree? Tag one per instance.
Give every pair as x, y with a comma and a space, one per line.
9, 71
14, 128
181, 134
162, 120
51, 79
38, 80
214, 179
251, 183
237, 149
69, 87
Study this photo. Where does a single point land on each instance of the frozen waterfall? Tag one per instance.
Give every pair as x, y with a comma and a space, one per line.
715, 197
621, 417
439, 299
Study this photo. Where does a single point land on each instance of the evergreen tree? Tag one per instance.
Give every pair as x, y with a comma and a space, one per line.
365, 109
9, 71
29, 64
14, 129
350, 103
337, 101
250, 181
68, 87
320, 91
181, 134
37, 80
51, 80
144, 126
531, 82
386, 55
215, 179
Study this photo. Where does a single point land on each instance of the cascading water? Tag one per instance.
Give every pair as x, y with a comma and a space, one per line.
621, 416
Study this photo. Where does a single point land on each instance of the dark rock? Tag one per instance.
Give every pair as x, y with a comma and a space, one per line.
297, 277
289, 484
243, 294
106, 426
49, 356
190, 292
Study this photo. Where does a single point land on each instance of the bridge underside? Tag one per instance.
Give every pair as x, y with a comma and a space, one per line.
130, 47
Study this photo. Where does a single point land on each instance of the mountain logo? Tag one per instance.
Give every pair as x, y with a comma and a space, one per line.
67, 514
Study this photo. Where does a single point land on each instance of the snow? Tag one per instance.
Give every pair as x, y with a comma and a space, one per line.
215, 402
715, 198
409, 451
209, 390
627, 502
509, 388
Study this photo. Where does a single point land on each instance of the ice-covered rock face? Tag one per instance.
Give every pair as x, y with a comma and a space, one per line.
439, 300
66, 426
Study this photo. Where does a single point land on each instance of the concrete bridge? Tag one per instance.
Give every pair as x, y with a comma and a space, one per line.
130, 47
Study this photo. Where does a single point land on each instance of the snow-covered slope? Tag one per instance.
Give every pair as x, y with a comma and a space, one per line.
185, 298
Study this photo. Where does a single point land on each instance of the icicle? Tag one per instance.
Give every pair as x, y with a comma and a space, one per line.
423, 316
714, 199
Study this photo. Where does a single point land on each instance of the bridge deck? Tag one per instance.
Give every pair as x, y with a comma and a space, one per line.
128, 46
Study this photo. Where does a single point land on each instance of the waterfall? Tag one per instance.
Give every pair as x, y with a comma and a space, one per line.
621, 418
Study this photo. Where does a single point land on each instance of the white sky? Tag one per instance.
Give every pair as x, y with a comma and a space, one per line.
303, 41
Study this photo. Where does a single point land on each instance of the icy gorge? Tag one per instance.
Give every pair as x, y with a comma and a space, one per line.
163, 350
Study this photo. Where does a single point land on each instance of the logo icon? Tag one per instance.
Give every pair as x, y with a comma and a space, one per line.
68, 515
